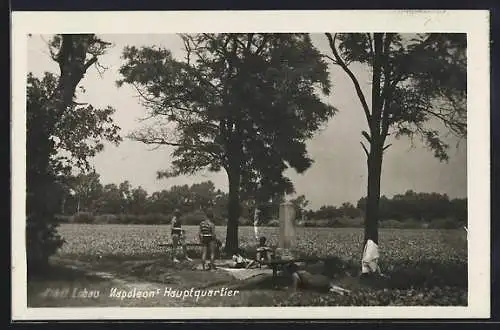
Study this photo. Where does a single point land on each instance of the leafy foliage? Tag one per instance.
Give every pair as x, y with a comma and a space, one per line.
223, 85
424, 78
420, 206
60, 135
124, 203
416, 81
220, 107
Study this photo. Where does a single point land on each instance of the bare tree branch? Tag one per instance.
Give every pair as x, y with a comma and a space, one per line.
148, 138
457, 127
367, 136
355, 81
330, 58
364, 148
89, 63
155, 147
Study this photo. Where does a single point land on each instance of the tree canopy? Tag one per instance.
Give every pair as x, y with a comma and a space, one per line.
416, 79
61, 135
420, 78
245, 103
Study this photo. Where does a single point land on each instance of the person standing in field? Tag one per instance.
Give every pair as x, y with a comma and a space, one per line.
208, 239
178, 237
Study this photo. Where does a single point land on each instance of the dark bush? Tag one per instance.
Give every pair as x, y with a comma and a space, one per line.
152, 219
446, 223
83, 217
63, 218
193, 218
334, 223
106, 219
128, 218
245, 222
162, 219
273, 223
351, 222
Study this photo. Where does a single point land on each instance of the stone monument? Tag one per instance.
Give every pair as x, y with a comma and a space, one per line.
287, 229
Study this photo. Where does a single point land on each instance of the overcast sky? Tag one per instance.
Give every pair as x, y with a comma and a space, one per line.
338, 174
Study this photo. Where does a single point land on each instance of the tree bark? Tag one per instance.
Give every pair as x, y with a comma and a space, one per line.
63, 205
376, 147
373, 194
234, 210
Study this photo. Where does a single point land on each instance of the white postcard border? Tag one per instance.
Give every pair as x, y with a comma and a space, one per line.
473, 22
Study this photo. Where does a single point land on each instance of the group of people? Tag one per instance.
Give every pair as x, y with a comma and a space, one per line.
206, 235
263, 256
208, 240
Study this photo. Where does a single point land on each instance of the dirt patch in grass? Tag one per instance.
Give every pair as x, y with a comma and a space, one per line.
161, 270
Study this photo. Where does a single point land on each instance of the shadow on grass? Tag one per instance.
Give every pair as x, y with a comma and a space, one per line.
55, 272
402, 274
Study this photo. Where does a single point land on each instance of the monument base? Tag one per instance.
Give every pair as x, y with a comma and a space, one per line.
287, 225
284, 254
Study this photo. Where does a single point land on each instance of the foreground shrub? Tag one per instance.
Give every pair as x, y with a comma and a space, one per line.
436, 296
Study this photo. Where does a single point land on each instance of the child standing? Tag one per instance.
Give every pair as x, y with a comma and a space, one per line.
177, 234
208, 239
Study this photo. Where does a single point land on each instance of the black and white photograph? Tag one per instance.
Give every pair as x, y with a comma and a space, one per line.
176, 166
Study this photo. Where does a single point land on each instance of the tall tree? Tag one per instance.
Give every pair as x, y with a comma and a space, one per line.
415, 79
245, 103
138, 203
87, 189
112, 200
203, 194
60, 135
299, 203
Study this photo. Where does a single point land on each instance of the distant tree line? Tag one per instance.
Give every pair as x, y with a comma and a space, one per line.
410, 209
87, 200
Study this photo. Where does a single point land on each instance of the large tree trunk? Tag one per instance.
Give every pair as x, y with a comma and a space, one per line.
41, 202
373, 194
376, 146
234, 210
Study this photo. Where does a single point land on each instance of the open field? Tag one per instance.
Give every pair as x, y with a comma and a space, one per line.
133, 241
426, 267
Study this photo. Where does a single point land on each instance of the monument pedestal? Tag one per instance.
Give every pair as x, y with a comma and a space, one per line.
287, 230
